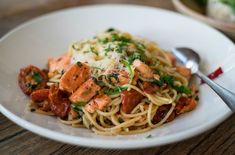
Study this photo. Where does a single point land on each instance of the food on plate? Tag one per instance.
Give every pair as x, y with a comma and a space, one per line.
223, 10
113, 84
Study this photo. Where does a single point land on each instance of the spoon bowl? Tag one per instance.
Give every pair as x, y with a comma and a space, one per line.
187, 57
190, 59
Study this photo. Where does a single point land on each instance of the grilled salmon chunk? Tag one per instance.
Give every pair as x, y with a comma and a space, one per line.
74, 77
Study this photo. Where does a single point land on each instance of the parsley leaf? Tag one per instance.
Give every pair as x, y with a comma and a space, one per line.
79, 64
77, 108
127, 64
169, 80
37, 77
182, 89
108, 49
149, 136
110, 30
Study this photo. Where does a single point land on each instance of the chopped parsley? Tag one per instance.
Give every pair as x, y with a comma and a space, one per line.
114, 37
93, 50
37, 77
120, 46
76, 107
134, 56
169, 80
79, 64
182, 89
104, 41
113, 75
108, 49
80, 103
149, 136
110, 30
127, 64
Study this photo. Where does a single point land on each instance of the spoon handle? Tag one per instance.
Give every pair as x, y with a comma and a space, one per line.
227, 96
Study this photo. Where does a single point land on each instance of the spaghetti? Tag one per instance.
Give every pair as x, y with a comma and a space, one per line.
113, 84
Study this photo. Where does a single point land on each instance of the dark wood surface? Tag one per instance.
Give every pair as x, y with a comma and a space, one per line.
16, 140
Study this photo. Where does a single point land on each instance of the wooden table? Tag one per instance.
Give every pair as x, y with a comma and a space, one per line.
16, 140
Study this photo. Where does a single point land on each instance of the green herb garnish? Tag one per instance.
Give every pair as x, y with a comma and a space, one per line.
182, 89
110, 30
114, 37
134, 56
113, 75
93, 50
77, 108
80, 103
127, 64
120, 46
169, 80
79, 64
104, 41
108, 49
149, 136
37, 77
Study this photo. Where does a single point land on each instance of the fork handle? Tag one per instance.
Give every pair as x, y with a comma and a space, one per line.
227, 96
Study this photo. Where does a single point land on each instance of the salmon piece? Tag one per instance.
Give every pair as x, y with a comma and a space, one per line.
185, 104
136, 77
99, 102
144, 69
184, 71
74, 77
123, 80
73, 113
91, 106
123, 77
85, 92
172, 58
59, 63
102, 101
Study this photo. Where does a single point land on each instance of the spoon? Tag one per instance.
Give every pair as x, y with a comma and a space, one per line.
191, 60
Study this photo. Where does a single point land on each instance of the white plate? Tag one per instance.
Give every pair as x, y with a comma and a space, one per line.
50, 35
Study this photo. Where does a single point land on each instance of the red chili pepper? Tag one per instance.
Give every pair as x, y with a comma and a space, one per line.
214, 74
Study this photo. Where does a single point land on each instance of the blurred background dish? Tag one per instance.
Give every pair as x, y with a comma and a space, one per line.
217, 13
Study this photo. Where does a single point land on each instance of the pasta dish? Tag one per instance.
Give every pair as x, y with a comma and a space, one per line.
112, 84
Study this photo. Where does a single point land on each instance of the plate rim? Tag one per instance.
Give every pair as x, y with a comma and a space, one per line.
108, 143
